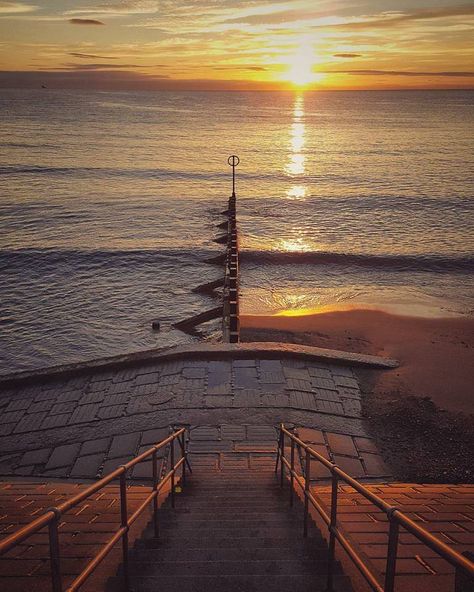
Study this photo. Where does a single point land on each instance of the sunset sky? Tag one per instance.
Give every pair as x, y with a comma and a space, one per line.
237, 44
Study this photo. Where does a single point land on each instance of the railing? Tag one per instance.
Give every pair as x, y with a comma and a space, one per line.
395, 517
52, 516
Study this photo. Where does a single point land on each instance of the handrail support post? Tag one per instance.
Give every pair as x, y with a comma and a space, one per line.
172, 474
278, 450
306, 491
183, 451
332, 532
54, 555
155, 499
124, 524
292, 473
391, 566
282, 456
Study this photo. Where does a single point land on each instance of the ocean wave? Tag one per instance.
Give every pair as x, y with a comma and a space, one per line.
49, 258
26, 145
123, 257
428, 262
133, 173
161, 173
105, 172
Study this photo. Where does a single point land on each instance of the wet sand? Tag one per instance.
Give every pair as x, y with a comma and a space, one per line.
436, 355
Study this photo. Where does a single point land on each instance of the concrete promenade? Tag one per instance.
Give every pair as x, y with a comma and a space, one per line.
85, 423
79, 423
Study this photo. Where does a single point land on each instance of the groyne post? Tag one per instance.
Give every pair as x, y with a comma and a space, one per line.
230, 295
231, 318
233, 162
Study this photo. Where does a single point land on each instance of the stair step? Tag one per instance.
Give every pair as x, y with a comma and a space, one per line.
239, 483
242, 553
187, 534
267, 472
267, 468
244, 497
187, 521
256, 477
277, 501
241, 583
206, 510
280, 499
259, 491
228, 541
249, 513
291, 567
232, 532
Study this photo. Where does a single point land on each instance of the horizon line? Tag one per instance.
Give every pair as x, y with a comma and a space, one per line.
237, 90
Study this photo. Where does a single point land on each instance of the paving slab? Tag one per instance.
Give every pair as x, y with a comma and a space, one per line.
111, 411
63, 456
123, 445
246, 378
35, 457
342, 444
84, 414
151, 437
219, 377
87, 465
55, 421
95, 446
29, 422
374, 464
233, 432
311, 436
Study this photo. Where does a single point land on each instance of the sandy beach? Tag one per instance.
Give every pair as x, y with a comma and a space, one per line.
436, 355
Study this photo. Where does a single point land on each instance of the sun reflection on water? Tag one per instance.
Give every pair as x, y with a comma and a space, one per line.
297, 192
297, 139
297, 159
294, 245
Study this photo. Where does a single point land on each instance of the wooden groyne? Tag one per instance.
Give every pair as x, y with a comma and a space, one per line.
230, 312
226, 287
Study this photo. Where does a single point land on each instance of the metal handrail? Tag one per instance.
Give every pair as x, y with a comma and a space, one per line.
395, 516
52, 516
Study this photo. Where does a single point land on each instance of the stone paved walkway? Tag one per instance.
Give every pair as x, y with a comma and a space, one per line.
85, 424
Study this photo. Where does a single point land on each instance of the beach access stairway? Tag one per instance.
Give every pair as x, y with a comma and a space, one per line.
230, 530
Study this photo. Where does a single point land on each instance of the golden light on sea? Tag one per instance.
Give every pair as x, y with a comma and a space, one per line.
297, 192
296, 165
294, 245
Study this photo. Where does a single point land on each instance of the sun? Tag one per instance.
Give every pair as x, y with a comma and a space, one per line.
301, 65
301, 72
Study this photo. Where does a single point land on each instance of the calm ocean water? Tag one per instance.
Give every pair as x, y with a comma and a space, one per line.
109, 203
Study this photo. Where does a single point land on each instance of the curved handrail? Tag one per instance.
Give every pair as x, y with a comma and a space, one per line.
51, 516
395, 516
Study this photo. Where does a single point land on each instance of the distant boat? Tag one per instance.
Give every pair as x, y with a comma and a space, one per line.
44, 86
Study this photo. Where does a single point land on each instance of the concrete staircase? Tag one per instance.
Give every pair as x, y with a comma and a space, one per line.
231, 531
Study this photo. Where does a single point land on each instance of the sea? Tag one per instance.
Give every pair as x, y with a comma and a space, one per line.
110, 201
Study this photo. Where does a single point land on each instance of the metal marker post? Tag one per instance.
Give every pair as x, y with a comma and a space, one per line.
233, 161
